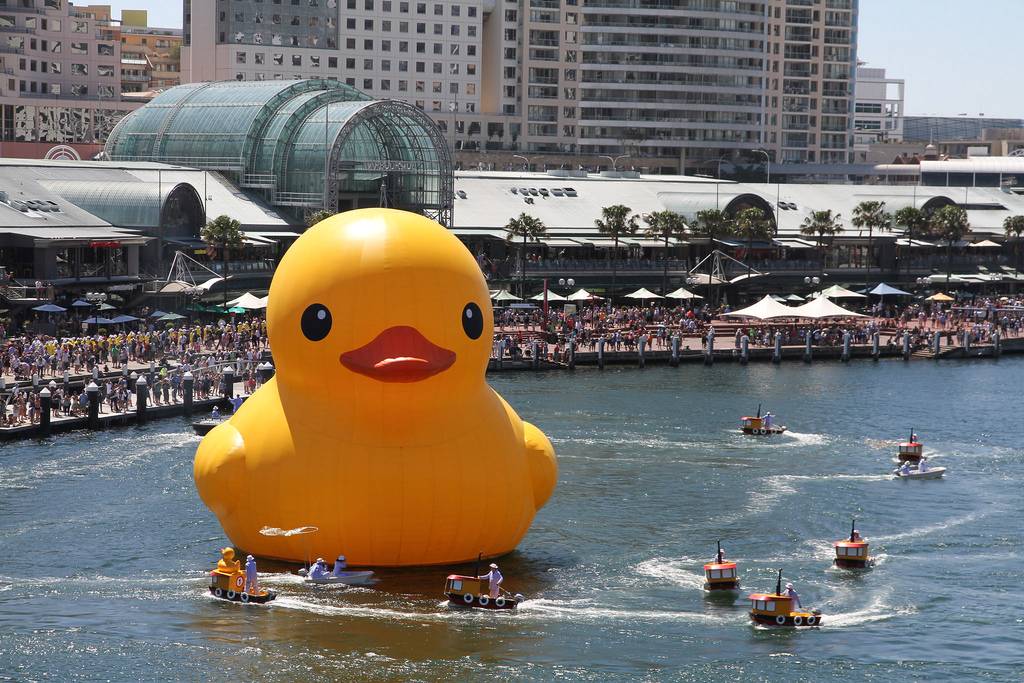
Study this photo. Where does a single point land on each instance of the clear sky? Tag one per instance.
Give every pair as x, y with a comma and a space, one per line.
957, 56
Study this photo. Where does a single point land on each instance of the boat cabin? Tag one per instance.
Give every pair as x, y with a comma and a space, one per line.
851, 554
720, 576
753, 423
462, 585
910, 451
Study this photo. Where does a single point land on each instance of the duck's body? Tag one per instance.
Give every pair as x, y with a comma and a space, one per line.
402, 468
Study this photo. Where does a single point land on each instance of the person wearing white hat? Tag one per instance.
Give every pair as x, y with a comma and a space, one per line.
494, 579
791, 592
251, 584
339, 566
319, 569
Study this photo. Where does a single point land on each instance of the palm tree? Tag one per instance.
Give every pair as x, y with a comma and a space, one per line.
821, 224
871, 215
616, 221
1014, 225
317, 216
529, 228
664, 225
751, 223
950, 224
912, 219
223, 233
712, 223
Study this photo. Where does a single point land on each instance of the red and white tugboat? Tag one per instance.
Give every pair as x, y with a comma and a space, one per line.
852, 553
720, 576
761, 426
777, 609
910, 451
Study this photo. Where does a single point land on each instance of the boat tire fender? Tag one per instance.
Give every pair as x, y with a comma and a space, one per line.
798, 621
762, 431
244, 596
499, 601
218, 592
780, 620
231, 595
468, 598
484, 600
812, 620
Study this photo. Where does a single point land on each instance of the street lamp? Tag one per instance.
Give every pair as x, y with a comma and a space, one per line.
614, 160
815, 281
767, 166
562, 282
526, 161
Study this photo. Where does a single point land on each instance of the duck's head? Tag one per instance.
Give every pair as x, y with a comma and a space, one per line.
379, 300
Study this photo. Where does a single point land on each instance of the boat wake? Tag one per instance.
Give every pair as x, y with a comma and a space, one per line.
806, 439
933, 528
764, 497
672, 570
577, 610
878, 610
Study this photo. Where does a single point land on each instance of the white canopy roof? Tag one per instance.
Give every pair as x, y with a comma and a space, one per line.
821, 307
644, 293
505, 295
552, 296
249, 301
682, 293
985, 244
764, 309
837, 292
581, 295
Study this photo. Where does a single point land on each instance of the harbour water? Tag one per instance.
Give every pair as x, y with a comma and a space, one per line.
104, 543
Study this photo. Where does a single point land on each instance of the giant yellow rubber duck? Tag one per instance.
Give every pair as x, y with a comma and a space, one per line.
379, 427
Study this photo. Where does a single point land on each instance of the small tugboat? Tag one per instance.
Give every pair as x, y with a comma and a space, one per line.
227, 582
720, 576
761, 426
472, 591
852, 553
910, 451
776, 609
203, 427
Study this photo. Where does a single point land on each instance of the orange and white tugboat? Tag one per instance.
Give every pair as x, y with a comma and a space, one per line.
852, 553
228, 581
720, 576
777, 609
483, 592
761, 426
910, 451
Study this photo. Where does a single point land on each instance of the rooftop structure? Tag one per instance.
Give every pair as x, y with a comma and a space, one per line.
936, 128
878, 110
304, 145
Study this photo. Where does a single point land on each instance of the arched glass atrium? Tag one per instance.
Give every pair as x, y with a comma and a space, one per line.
306, 144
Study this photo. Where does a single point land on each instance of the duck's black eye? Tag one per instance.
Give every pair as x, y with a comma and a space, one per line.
316, 322
472, 321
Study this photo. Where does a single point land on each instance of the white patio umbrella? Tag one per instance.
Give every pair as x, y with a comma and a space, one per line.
837, 292
582, 295
248, 301
821, 307
764, 309
644, 293
505, 295
552, 296
682, 293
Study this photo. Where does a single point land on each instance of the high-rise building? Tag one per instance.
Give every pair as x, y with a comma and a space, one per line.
877, 109
60, 78
661, 85
150, 57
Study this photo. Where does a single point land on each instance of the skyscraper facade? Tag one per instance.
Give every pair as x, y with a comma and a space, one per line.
662, 85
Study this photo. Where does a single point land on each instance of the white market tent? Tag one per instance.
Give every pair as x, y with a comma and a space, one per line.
888, 290
794, 297
823, 308
582, 295
644, 293
984, 244
682, 293
552, 296
248, 301
505, 295
764, 309
837, 292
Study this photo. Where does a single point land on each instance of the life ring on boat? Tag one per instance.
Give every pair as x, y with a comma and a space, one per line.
499, 601
468, 598
484, 600
798, 621
780, 620
811, 620
218, 592
231, 595
245, 597
762, 431
239, 582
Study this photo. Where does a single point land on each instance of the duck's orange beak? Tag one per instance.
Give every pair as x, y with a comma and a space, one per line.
399, 354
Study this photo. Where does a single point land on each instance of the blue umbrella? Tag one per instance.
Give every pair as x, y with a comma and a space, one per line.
123, 318
97, 320
49, 308
78, 303
157, 314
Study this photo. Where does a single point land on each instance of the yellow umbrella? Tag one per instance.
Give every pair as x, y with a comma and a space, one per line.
939, 296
